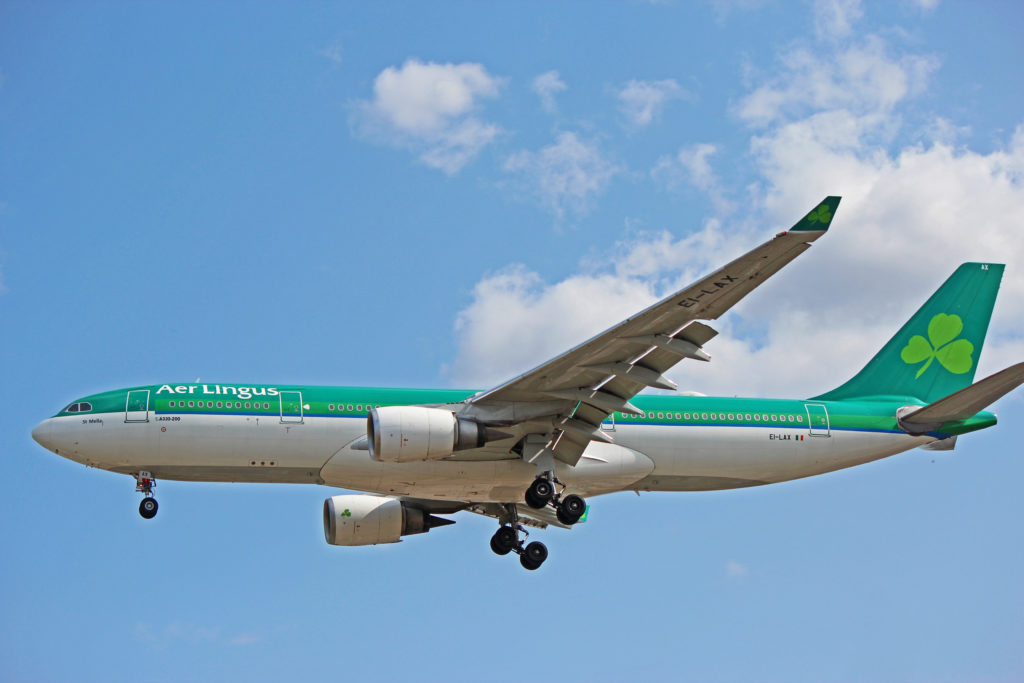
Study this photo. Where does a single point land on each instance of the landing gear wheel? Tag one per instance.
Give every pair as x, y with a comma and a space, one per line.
540, 493
571, 509
533, 555
148, 508
504, 540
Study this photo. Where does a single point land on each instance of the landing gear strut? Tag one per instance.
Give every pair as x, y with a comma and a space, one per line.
144, 483
506, 540
542, 492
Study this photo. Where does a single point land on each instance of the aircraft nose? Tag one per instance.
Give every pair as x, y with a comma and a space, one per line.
41, 433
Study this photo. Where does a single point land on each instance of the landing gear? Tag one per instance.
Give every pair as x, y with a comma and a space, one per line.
148, 508
533, 555
570, 509
506, 540
541, 493
144, 483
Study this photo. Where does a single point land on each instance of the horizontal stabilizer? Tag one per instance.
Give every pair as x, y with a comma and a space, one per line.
964, 403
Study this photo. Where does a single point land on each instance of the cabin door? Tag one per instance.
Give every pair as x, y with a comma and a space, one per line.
817, 418
136, 409
291, 406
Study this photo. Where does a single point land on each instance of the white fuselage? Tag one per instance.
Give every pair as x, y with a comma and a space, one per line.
328, 451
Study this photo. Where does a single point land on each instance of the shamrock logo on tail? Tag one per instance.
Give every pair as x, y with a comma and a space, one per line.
822, 215
942, 343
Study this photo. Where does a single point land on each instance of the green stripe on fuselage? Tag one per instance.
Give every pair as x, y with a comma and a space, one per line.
263, 399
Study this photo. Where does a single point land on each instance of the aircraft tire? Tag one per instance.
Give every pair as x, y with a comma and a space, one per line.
533, 555
504, 540
540, 493
148, 508
571, 509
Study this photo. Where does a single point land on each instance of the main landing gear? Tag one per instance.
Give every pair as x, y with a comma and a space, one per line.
506, 540
144, 483
569, 509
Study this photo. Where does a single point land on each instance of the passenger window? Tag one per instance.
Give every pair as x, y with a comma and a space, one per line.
731, 416
247, 405
790, 418
678, 417
266, 406
748, 417
220, 404
349, 407
774, 417
703, 416
191, 404
171, 404
661, 416
359, 408
238, 404
799, 418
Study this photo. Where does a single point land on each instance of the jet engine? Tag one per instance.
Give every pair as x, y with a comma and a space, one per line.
369, 520
414, 433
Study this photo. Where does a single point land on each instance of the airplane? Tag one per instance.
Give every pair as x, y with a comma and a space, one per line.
529, 452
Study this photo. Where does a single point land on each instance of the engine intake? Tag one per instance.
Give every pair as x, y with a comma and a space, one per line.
414, 433
369, 520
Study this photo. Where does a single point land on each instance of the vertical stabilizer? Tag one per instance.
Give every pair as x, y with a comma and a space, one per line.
936, 353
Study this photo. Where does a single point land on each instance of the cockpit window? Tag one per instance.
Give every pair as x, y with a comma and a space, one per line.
73, 408
84, 407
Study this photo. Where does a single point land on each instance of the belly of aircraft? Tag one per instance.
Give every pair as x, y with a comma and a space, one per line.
320, 450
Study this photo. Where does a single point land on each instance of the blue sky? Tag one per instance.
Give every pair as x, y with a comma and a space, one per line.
423, 195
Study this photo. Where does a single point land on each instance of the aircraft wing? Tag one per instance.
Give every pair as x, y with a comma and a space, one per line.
579, 389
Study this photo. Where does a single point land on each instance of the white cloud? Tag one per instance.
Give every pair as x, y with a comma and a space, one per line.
910, 215
835, 18
642, 101
691, 165
332, 53
245, 639
429, 107
547, 85
564, 176
735, 570
516, 320
926, 5
725, 8
863, 79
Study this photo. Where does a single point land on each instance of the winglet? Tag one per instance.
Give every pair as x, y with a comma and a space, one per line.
819, 218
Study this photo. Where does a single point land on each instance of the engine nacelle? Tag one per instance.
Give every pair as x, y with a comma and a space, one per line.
369, 520
414, 433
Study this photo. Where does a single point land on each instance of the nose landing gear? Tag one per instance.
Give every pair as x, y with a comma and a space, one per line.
144, 483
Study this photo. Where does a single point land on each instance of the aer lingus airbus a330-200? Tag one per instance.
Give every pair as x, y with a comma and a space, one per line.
527, 452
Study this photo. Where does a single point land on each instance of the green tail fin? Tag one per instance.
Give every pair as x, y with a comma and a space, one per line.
936, 352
